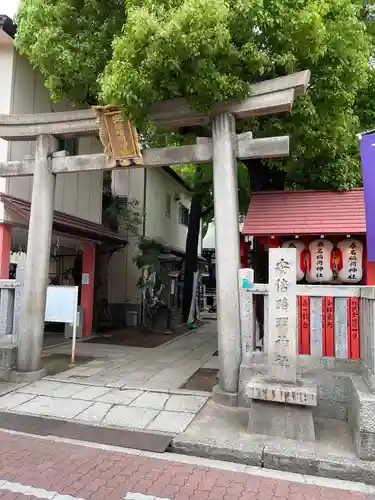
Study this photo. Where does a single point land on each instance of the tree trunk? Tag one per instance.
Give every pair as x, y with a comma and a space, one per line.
191, 253
264, 178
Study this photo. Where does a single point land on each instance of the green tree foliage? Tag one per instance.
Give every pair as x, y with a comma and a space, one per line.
135, 52
210, 50
365, 104
70, 43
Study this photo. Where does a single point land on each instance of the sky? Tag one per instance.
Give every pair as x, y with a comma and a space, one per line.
9, 7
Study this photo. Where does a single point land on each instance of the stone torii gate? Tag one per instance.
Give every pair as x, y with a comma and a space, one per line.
267, 97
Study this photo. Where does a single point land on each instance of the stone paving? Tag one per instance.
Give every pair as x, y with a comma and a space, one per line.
32, 468
105, 406
166, 367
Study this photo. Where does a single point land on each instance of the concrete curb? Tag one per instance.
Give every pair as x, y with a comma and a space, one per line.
279, 458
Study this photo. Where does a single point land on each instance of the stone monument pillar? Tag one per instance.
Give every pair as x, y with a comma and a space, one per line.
281, 403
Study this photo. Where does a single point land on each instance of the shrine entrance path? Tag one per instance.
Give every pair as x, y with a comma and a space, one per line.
123, 387
50, 468
166, 367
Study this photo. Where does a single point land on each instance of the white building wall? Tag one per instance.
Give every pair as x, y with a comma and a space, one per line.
6, 55
159, 184
78, 194
209, 239
208, 242
123, 273
6, 77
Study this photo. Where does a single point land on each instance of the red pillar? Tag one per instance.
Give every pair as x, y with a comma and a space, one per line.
87, 290
5, 248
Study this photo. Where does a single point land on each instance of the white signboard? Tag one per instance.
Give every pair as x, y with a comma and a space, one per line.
61, 305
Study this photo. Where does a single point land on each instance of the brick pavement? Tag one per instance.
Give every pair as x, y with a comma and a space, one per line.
93, 473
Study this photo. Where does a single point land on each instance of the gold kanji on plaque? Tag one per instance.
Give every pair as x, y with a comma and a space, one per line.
119, 137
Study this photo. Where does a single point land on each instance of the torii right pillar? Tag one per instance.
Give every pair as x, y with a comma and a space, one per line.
227, 244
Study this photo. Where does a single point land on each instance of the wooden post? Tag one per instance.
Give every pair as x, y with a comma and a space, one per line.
227, 250
31, 331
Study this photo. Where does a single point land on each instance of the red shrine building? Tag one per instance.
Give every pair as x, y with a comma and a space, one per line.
328, 230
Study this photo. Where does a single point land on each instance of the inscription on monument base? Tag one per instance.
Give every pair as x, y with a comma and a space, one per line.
282, 315
298, 394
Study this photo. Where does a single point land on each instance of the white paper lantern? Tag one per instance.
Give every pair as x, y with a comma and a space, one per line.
319, 268
350, 253
301, 249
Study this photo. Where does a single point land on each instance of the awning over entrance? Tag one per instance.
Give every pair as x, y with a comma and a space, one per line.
282, 213
64, 223
180, 254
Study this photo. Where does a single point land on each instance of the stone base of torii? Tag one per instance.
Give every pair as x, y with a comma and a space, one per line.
268, 97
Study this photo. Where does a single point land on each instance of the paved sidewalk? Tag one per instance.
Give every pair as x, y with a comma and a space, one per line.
43, 468
166, 367
127, 408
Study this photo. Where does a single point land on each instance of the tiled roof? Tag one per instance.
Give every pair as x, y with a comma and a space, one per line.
64, 223
273, 213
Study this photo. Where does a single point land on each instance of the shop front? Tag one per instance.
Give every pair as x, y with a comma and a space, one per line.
74, 245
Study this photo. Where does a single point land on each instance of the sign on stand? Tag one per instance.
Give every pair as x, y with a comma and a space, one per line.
62, 307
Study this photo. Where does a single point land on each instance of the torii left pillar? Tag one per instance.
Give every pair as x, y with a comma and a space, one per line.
31, 329
227, 245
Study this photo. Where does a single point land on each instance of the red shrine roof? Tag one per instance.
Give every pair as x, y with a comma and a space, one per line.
278, 213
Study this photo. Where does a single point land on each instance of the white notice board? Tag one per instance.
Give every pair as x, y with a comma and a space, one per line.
61, 305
